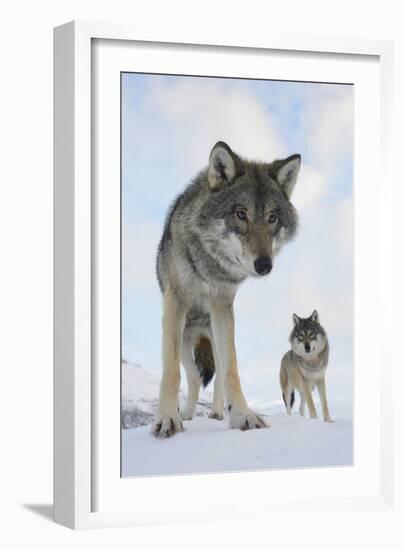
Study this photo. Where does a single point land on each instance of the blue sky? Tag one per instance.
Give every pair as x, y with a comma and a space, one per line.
169, 125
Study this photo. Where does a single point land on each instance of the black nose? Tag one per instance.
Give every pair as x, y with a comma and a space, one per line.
263, 266
307, 347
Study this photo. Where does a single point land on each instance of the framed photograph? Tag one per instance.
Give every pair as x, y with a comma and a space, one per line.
222, 249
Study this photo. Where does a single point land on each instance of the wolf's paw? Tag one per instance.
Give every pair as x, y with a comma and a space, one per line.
216, 415
246, 420
166, 426
328, 419
187, 415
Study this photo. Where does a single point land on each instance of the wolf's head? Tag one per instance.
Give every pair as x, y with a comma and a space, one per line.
249, 208
308, 338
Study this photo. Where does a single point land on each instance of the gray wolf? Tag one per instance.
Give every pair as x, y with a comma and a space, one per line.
304, 366
227, 225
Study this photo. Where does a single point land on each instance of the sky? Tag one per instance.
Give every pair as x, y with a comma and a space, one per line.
169, 125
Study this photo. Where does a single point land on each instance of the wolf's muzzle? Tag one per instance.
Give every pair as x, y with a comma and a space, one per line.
307, 347
263, 265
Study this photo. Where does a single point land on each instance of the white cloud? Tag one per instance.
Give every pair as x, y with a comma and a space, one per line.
344, 228
139, 249
201, 115
309, 189
329, 128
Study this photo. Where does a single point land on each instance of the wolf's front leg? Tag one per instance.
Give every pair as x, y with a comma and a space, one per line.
308, 398
302, 404
222, 322
168, 420
320, 384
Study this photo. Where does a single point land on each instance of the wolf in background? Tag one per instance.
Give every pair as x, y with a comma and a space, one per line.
227, 225
304, 366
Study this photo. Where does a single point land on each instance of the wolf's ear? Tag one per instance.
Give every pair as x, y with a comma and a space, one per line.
287, 171
296, 319
224, 166
315, 317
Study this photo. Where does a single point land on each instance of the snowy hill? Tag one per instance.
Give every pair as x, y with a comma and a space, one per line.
140, 391
210, 446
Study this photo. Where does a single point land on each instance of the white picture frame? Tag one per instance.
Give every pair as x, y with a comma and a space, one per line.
77, 427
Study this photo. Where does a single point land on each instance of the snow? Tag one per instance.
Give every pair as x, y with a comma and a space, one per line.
208, 445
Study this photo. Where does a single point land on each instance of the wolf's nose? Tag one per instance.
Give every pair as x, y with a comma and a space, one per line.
263, 266
307, 347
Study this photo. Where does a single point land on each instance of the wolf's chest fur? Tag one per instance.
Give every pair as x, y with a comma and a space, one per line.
313, 369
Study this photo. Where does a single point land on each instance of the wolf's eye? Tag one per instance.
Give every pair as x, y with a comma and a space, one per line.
311, 335
241, 214
273, 218
300, 336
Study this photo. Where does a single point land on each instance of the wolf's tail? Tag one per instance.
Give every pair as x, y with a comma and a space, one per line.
203, 355
292, 400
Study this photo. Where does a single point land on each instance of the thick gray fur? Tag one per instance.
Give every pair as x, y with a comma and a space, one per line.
228, 224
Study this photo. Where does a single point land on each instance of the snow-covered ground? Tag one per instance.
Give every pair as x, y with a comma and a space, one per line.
210, 446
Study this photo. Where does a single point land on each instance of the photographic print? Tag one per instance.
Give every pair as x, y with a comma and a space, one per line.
237, 274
